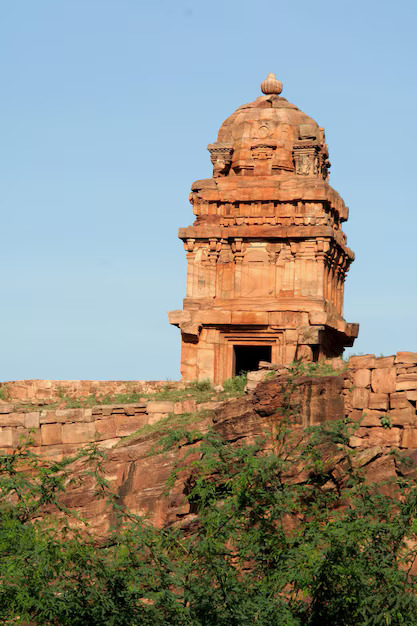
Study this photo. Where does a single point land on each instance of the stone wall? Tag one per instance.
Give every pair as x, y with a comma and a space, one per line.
60, 432
383, 395
35, 390
378, 392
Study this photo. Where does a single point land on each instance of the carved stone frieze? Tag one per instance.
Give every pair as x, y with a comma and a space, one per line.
221, 157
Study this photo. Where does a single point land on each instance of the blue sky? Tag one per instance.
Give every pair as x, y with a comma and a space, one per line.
106, 110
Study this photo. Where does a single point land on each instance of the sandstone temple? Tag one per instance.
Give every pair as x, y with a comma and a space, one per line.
267, 257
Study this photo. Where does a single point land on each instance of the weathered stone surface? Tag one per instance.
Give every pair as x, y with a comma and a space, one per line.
362, 378
126, 425
160, 407
371, 418
364, 361
398, 400
360, 398
12, 419
51, 434
32, 419
379, 401
383, 380
409, 438
78, 432
105, 428
406, 382
406, 357
379, 436
384, 361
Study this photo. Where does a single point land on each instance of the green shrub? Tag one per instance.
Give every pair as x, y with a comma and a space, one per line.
235, 385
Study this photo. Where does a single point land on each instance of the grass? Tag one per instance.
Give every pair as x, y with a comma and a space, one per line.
4, 394
201, 391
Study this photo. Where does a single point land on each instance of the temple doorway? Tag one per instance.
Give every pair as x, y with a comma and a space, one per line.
246, 358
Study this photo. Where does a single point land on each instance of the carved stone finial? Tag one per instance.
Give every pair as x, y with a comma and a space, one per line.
271, 85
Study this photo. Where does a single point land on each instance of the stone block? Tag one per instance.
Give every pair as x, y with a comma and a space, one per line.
317, 317
362, 378
402, 417
32, 419
126, 425
105, 428
215, 316
360, 398
372, 418
78, 432
12, 419
384, 361
74, 415
406, 357
250, 317
398, 400
406, 382
364, 361
51, 434
6, 408
6, 437
383, 380
291, 336
308, 335
379, 401
409, 438
380, 436
381, 469
160, 407
290, 352
355, 441
411, 395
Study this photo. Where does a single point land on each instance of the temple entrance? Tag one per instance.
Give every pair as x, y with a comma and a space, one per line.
246, 358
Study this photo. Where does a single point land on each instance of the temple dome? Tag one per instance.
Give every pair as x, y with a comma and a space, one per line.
268, 128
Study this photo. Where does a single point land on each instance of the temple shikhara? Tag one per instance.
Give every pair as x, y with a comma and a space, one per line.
267, 257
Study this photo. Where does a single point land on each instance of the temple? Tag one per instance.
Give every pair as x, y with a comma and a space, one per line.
267, 257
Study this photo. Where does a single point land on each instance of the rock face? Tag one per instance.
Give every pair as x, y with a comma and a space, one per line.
267, 258
139, 472
379, 394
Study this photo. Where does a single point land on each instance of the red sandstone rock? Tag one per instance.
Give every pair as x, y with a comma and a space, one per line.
406, 382
380, 436
362, 378
364, 361
51, 434
383, 380
398, 400
406, 357
360, 398
384, 361
78, 432
409, 438
379, 401
105, 428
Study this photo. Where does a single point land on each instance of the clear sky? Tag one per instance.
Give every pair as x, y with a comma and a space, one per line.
106, 110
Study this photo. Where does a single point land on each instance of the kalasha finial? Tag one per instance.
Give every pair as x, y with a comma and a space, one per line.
271, 85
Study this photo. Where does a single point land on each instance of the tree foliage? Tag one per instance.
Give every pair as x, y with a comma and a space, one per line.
279, 538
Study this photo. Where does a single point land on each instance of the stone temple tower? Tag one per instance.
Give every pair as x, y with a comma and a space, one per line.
267, 257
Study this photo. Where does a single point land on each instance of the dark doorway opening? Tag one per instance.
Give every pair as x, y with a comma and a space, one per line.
247, 357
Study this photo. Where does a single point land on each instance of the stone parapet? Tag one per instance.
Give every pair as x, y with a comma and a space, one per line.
34, 390
56, 433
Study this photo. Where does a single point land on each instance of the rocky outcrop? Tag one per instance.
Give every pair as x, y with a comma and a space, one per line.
139, 471
379, 394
